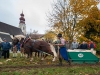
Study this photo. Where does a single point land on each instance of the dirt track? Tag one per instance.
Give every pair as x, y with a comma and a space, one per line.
14, 68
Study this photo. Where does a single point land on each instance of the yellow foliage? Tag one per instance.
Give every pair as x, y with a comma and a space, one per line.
65, 16
82, 6
82, 38
49, 36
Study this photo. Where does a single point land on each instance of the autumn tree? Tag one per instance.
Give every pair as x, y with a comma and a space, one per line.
49, 36
67, 13
91, 24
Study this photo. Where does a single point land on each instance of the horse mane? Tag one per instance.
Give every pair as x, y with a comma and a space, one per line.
19, 37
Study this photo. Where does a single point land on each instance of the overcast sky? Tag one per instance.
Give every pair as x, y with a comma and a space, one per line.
34, 11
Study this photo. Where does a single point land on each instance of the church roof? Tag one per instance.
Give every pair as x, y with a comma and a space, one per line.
7, 37
10, 29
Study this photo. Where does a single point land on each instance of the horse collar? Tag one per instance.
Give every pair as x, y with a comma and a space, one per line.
26, 40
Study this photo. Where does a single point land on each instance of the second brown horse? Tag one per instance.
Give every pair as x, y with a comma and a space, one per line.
37, 46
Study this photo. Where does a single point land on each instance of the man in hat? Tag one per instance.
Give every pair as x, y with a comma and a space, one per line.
5, 47
62, 51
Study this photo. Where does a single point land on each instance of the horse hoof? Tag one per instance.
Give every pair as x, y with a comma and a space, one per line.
69, 62
53, 60
31, 60
42, 59
14, 57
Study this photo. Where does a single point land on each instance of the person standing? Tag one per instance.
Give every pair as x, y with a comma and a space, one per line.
84, 45
18, 47
62, 51
5, 47
0, 50
91, 45
57, 47
74, 45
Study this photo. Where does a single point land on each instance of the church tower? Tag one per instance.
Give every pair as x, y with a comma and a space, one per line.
22, 24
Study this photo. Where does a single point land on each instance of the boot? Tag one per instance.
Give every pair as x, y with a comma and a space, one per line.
69, 62
60, 62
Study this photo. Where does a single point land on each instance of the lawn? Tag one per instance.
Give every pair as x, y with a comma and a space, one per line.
22, 66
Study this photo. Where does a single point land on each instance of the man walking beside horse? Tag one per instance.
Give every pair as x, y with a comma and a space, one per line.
62, 51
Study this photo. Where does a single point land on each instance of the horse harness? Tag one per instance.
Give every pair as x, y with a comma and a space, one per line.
30, 47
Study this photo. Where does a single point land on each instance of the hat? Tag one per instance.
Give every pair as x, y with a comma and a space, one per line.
59, 35
4, 39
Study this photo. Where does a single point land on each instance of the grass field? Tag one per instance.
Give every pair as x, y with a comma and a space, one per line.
22, 66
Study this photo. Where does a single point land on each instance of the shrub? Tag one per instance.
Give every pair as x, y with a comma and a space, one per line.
98, 47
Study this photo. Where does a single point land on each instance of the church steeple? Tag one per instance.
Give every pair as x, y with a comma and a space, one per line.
22, 24
22, 19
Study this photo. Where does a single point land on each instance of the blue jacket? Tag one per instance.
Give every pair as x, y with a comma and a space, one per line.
18, 46
5, 46
91, 45
83, 46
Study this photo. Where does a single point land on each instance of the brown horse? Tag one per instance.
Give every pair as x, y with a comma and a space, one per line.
15, 41
37, 46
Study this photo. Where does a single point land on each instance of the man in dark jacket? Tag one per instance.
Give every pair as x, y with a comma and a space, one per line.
84, 45
5, 47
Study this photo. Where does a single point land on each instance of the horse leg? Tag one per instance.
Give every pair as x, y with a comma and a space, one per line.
42, 56
26, 55
45, 56
22, 52
35, 54
30, 55
14, 52
31, 59
38, 54
54, 58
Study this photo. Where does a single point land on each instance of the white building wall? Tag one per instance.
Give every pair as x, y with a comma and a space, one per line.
22, 26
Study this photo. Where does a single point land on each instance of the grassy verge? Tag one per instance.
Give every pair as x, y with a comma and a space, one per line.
54, 71
22, 66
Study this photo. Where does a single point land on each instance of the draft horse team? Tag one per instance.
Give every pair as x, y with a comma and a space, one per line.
27, 46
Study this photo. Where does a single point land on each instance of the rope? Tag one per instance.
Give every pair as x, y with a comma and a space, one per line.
42, 51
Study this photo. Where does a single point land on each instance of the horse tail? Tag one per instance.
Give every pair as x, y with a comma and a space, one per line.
53, 50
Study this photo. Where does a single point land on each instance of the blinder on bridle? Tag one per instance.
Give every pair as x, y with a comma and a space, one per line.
15, 41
